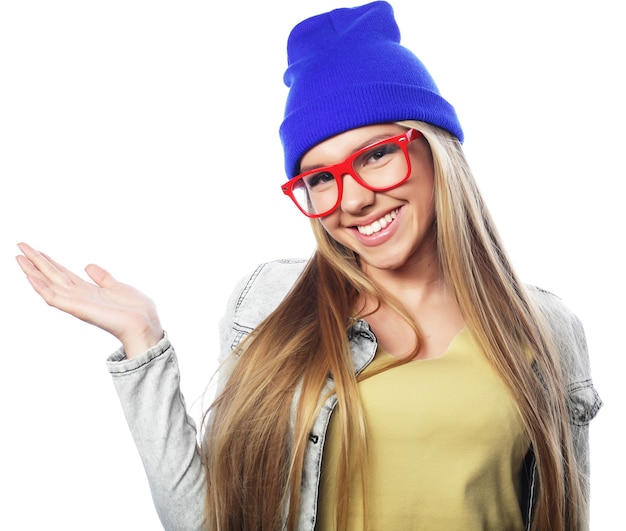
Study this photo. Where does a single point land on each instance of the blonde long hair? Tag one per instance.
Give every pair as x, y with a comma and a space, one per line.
254, 449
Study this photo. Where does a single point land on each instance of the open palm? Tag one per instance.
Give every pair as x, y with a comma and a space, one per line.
118, 308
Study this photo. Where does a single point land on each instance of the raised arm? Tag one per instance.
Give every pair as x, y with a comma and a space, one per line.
146, 378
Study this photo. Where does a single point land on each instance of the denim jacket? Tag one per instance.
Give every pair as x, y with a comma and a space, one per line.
166, 436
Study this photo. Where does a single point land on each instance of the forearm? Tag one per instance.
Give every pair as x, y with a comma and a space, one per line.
165, 434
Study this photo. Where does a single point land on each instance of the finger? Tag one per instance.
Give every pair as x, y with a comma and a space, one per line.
30, 270
27, 266
100, 276
71, 275
42, 289
39, 261
26, 250
50, 271
38, 281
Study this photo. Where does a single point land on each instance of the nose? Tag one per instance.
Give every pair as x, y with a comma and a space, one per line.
355, 197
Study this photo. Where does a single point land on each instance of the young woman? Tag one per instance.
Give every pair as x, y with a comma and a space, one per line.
403, 377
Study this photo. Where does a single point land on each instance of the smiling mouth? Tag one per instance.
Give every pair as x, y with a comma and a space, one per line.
378, 225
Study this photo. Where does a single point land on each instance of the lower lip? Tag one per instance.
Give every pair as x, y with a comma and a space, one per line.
380, 237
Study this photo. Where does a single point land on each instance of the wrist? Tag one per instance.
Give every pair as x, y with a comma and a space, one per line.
138, 344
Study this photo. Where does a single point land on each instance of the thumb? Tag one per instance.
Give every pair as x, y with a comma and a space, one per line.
99, 275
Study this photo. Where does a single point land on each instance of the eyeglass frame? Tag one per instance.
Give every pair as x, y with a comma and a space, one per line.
347, 167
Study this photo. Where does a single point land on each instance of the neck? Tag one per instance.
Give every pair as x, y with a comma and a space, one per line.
415, 282
430, 304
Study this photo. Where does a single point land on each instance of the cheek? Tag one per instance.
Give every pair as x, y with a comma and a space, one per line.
422, 166
425, 183
330, 223
421, 187
428, 201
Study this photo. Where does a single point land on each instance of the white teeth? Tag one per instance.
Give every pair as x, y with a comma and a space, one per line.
378, 225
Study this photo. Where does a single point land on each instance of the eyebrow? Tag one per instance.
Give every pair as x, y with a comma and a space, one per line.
371, 140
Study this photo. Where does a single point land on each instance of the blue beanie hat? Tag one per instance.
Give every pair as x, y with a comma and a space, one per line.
347, 69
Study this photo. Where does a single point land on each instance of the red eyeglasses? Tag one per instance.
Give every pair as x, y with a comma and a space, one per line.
378, 167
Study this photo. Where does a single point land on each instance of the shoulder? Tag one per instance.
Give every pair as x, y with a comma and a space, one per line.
565, 326
265, 287
569, 338
255, 296
551, 305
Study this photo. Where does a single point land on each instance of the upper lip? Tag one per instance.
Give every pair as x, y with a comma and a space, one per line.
372, 218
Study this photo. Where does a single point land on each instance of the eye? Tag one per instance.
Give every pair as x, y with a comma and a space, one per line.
379, 155
319, 179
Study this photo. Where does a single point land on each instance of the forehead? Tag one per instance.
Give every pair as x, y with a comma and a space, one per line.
337, 148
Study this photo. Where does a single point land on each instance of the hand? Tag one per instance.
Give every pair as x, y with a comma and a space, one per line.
108, 304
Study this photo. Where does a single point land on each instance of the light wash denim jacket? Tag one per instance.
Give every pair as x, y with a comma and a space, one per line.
166, 437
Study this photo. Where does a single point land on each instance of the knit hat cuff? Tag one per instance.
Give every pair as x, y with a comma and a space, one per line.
361, 105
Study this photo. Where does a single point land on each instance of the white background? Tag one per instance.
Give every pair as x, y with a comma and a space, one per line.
142, 136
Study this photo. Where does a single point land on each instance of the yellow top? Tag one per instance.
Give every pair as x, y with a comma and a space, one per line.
446, 445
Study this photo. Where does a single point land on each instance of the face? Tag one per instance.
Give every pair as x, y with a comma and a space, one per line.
390, 230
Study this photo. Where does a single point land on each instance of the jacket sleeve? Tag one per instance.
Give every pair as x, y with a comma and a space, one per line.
583, 400
148, 387
165, 435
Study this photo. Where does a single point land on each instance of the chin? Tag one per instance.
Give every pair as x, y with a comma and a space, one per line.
386, 264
